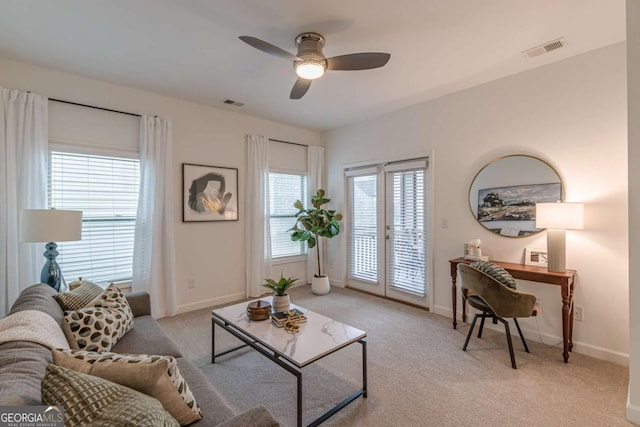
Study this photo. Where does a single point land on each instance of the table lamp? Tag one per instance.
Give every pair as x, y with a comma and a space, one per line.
556, 218
50, 225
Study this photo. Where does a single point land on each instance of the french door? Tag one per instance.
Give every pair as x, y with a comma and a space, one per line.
388, 230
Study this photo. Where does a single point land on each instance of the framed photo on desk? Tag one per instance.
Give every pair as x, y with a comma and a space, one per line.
535, 256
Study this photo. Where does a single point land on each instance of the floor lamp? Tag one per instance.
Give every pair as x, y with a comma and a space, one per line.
50, 225
556, 218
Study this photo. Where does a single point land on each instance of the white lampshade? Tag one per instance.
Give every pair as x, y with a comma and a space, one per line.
565, 216
50, 225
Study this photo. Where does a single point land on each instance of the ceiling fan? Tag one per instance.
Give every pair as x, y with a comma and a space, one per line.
310, 63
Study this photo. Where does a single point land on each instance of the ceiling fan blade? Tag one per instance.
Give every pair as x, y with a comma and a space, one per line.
358, 61
300, 87
268, 48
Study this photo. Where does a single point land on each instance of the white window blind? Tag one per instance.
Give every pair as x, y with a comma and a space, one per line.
406, 254
284, 190
363, 228
105, 189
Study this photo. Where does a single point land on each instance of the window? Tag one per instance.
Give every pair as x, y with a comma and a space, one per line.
105, 189
284, 190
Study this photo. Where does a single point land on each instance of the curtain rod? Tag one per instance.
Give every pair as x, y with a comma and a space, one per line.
287, 142
94, 107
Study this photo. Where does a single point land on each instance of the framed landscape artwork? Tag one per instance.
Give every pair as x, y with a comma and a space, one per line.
516, 204
209, 193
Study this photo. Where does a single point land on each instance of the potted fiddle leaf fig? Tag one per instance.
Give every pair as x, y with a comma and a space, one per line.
313, 224
281, 300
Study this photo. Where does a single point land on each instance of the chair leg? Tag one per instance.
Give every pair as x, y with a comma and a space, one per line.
484, 314
508, 332
521, 336
473, 323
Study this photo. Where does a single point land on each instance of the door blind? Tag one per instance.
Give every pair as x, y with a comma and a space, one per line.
363, 228
105, 189
407, 246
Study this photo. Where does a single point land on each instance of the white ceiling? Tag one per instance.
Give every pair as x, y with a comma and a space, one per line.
190, 49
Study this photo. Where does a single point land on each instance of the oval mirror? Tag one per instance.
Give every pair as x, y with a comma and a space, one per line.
503, 195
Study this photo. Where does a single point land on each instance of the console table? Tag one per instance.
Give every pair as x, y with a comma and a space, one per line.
565, 280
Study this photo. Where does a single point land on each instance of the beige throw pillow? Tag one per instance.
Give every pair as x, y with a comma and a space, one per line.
96, 402
156, 376
99, 325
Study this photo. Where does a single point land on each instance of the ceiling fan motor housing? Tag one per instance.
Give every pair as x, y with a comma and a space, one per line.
310, 47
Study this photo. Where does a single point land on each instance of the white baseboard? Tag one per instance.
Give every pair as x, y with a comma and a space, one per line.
337, 283
185, 308
633, 412
444, 311
601, 353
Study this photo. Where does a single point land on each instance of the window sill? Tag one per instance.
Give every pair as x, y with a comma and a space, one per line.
289, 259
125, 287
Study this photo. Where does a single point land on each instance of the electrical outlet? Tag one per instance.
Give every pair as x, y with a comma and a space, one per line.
578, 313
191, 283
539, 306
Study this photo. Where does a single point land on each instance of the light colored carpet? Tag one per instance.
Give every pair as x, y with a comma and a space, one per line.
418, 374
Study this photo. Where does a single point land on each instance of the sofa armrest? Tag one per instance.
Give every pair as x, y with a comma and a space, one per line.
257, 416
140, 303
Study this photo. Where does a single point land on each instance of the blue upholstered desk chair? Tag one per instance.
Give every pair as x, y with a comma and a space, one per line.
496, 301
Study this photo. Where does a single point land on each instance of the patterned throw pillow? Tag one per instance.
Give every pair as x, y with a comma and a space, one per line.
93, 401
79, 297
99, 325
495, 271
156, 376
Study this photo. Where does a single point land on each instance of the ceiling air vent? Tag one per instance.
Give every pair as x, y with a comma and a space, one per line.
232, 102
544, 48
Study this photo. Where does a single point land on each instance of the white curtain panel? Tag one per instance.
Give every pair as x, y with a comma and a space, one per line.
258, 232
315, 181
23, 185
153, 251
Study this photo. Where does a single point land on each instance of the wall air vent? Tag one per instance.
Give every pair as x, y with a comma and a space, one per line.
232, 102
546, 47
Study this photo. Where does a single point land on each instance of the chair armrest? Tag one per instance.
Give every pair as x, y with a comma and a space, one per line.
140, 303
257, 416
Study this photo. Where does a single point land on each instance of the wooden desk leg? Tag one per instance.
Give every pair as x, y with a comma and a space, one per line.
571, 317
566, 321
454, 300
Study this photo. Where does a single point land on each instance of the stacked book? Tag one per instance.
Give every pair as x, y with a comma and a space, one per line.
293, 315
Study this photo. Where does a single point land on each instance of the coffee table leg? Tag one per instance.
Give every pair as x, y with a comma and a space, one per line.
364, 367
213, 341
299, 398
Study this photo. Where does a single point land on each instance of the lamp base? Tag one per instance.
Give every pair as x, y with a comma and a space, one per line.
51, 274
556, 250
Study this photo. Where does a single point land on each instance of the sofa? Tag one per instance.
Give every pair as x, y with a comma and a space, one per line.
23, 363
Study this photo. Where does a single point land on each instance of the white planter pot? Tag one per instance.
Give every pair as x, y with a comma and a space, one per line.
280, 303
320, 285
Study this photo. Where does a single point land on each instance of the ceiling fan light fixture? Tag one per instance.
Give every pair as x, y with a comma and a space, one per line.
310, 70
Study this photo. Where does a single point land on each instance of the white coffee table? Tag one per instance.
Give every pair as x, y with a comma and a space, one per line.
319, 336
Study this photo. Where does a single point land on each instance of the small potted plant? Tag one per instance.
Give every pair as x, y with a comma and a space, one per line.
281, 299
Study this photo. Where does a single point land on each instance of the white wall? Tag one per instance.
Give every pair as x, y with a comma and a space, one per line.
633, 71
571, 114
212, 253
